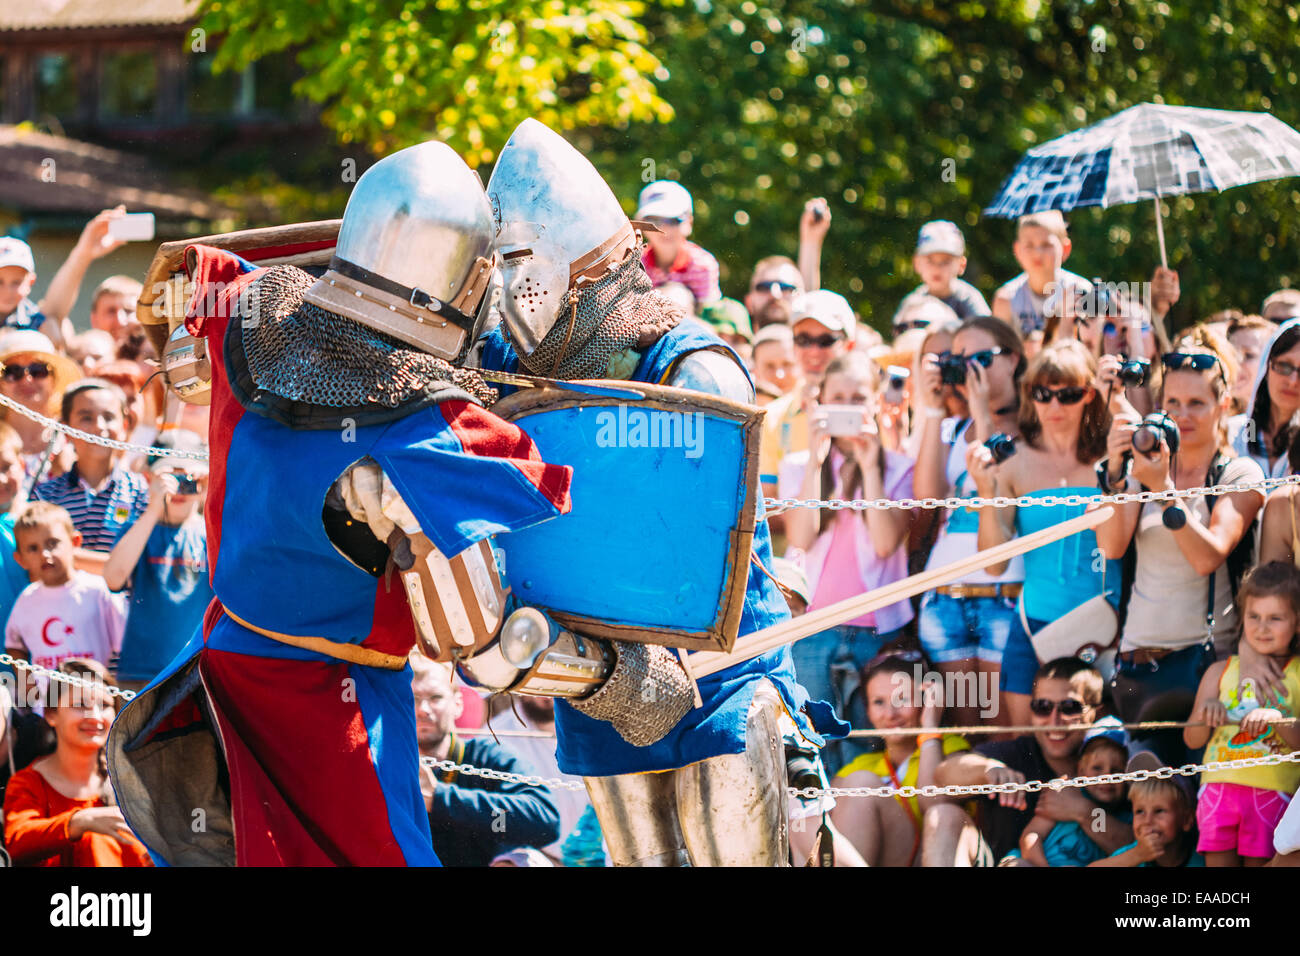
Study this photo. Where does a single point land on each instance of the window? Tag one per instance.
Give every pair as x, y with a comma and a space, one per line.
274, 79
129, 87
210, 94
56, 85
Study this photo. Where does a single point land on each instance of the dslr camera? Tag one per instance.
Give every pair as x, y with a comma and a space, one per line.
1001, 447
1155, 430
801, 767
1133, 373
952, 369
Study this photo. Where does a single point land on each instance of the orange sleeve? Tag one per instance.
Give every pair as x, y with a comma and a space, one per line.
31, 835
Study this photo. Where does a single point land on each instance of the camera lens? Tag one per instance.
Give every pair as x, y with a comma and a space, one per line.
1147, 438
801, 769
1001, 447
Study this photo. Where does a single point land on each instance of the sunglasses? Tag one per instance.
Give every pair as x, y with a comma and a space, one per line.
16, 373
1196, 360
910, 324
805, 341
1199, 361
1285, 369
1066, 394
1042, 707
1110, 330
907, 657
774, 287
984, 356
665, 220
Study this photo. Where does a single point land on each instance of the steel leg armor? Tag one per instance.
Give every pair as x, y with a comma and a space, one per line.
730, 810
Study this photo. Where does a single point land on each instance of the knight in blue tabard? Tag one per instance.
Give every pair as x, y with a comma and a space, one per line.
672, 782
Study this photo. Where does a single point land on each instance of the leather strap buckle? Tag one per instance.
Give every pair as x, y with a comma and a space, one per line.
422, 300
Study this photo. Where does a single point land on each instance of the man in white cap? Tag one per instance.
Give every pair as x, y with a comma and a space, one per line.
824, 328
18, 275
939, 260
671, 256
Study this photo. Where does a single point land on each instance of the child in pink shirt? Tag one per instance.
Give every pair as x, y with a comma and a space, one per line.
847, 553
64, 613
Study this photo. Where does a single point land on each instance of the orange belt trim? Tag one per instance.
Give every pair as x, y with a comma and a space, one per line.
352, 653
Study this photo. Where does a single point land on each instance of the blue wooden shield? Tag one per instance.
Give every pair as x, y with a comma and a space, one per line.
657, 546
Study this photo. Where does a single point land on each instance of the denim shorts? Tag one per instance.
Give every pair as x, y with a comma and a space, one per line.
1019, 661
957, 629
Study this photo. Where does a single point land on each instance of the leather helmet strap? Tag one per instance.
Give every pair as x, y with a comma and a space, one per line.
593, 264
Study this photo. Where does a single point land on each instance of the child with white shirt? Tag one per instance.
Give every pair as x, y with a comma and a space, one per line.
63, 613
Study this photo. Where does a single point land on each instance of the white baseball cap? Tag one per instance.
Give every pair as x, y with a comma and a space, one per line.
829, 308
940, 236
664, 199
15, 252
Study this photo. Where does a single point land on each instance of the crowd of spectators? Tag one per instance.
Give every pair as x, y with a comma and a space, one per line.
1183, 611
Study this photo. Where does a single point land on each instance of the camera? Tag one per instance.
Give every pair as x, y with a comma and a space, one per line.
1001, 447
1153, 431
187, 485
952, 369
1133, 373
801, 768
898, 377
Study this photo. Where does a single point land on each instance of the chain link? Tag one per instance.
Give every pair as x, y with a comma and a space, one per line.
954, 790
488, 773
1024, 501
113, 443
112, 690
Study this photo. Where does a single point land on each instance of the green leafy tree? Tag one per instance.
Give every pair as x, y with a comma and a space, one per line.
395, 72
901, 111
897, 111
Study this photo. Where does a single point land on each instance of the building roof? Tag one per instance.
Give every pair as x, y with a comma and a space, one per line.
89, 178
85, 14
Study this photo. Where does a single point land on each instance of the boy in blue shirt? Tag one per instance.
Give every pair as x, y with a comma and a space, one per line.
164, 559
1163, 817
1048, 842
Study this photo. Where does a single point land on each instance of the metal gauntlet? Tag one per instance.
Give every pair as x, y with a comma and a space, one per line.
641, 689
645, 696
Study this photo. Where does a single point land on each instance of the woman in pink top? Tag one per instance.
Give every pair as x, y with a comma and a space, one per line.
847, 553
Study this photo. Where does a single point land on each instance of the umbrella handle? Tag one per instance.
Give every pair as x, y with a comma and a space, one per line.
1160, 234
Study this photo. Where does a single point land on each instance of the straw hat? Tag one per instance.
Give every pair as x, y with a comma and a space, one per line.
30, 342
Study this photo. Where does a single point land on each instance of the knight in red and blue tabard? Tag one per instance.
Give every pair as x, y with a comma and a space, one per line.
284, 733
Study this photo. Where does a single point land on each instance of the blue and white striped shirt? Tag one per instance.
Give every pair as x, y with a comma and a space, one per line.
101, 516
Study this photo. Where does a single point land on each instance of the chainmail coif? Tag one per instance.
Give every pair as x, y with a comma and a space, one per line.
305, 354
618, 311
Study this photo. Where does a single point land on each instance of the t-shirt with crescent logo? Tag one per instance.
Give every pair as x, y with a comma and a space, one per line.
79, 619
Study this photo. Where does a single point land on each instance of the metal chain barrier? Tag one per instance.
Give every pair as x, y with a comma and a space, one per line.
113, 443
954, 790
1024, 501
86, 683
808, 793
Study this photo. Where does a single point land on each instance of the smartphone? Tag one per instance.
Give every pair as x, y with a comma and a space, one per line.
842, 421
133, 227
